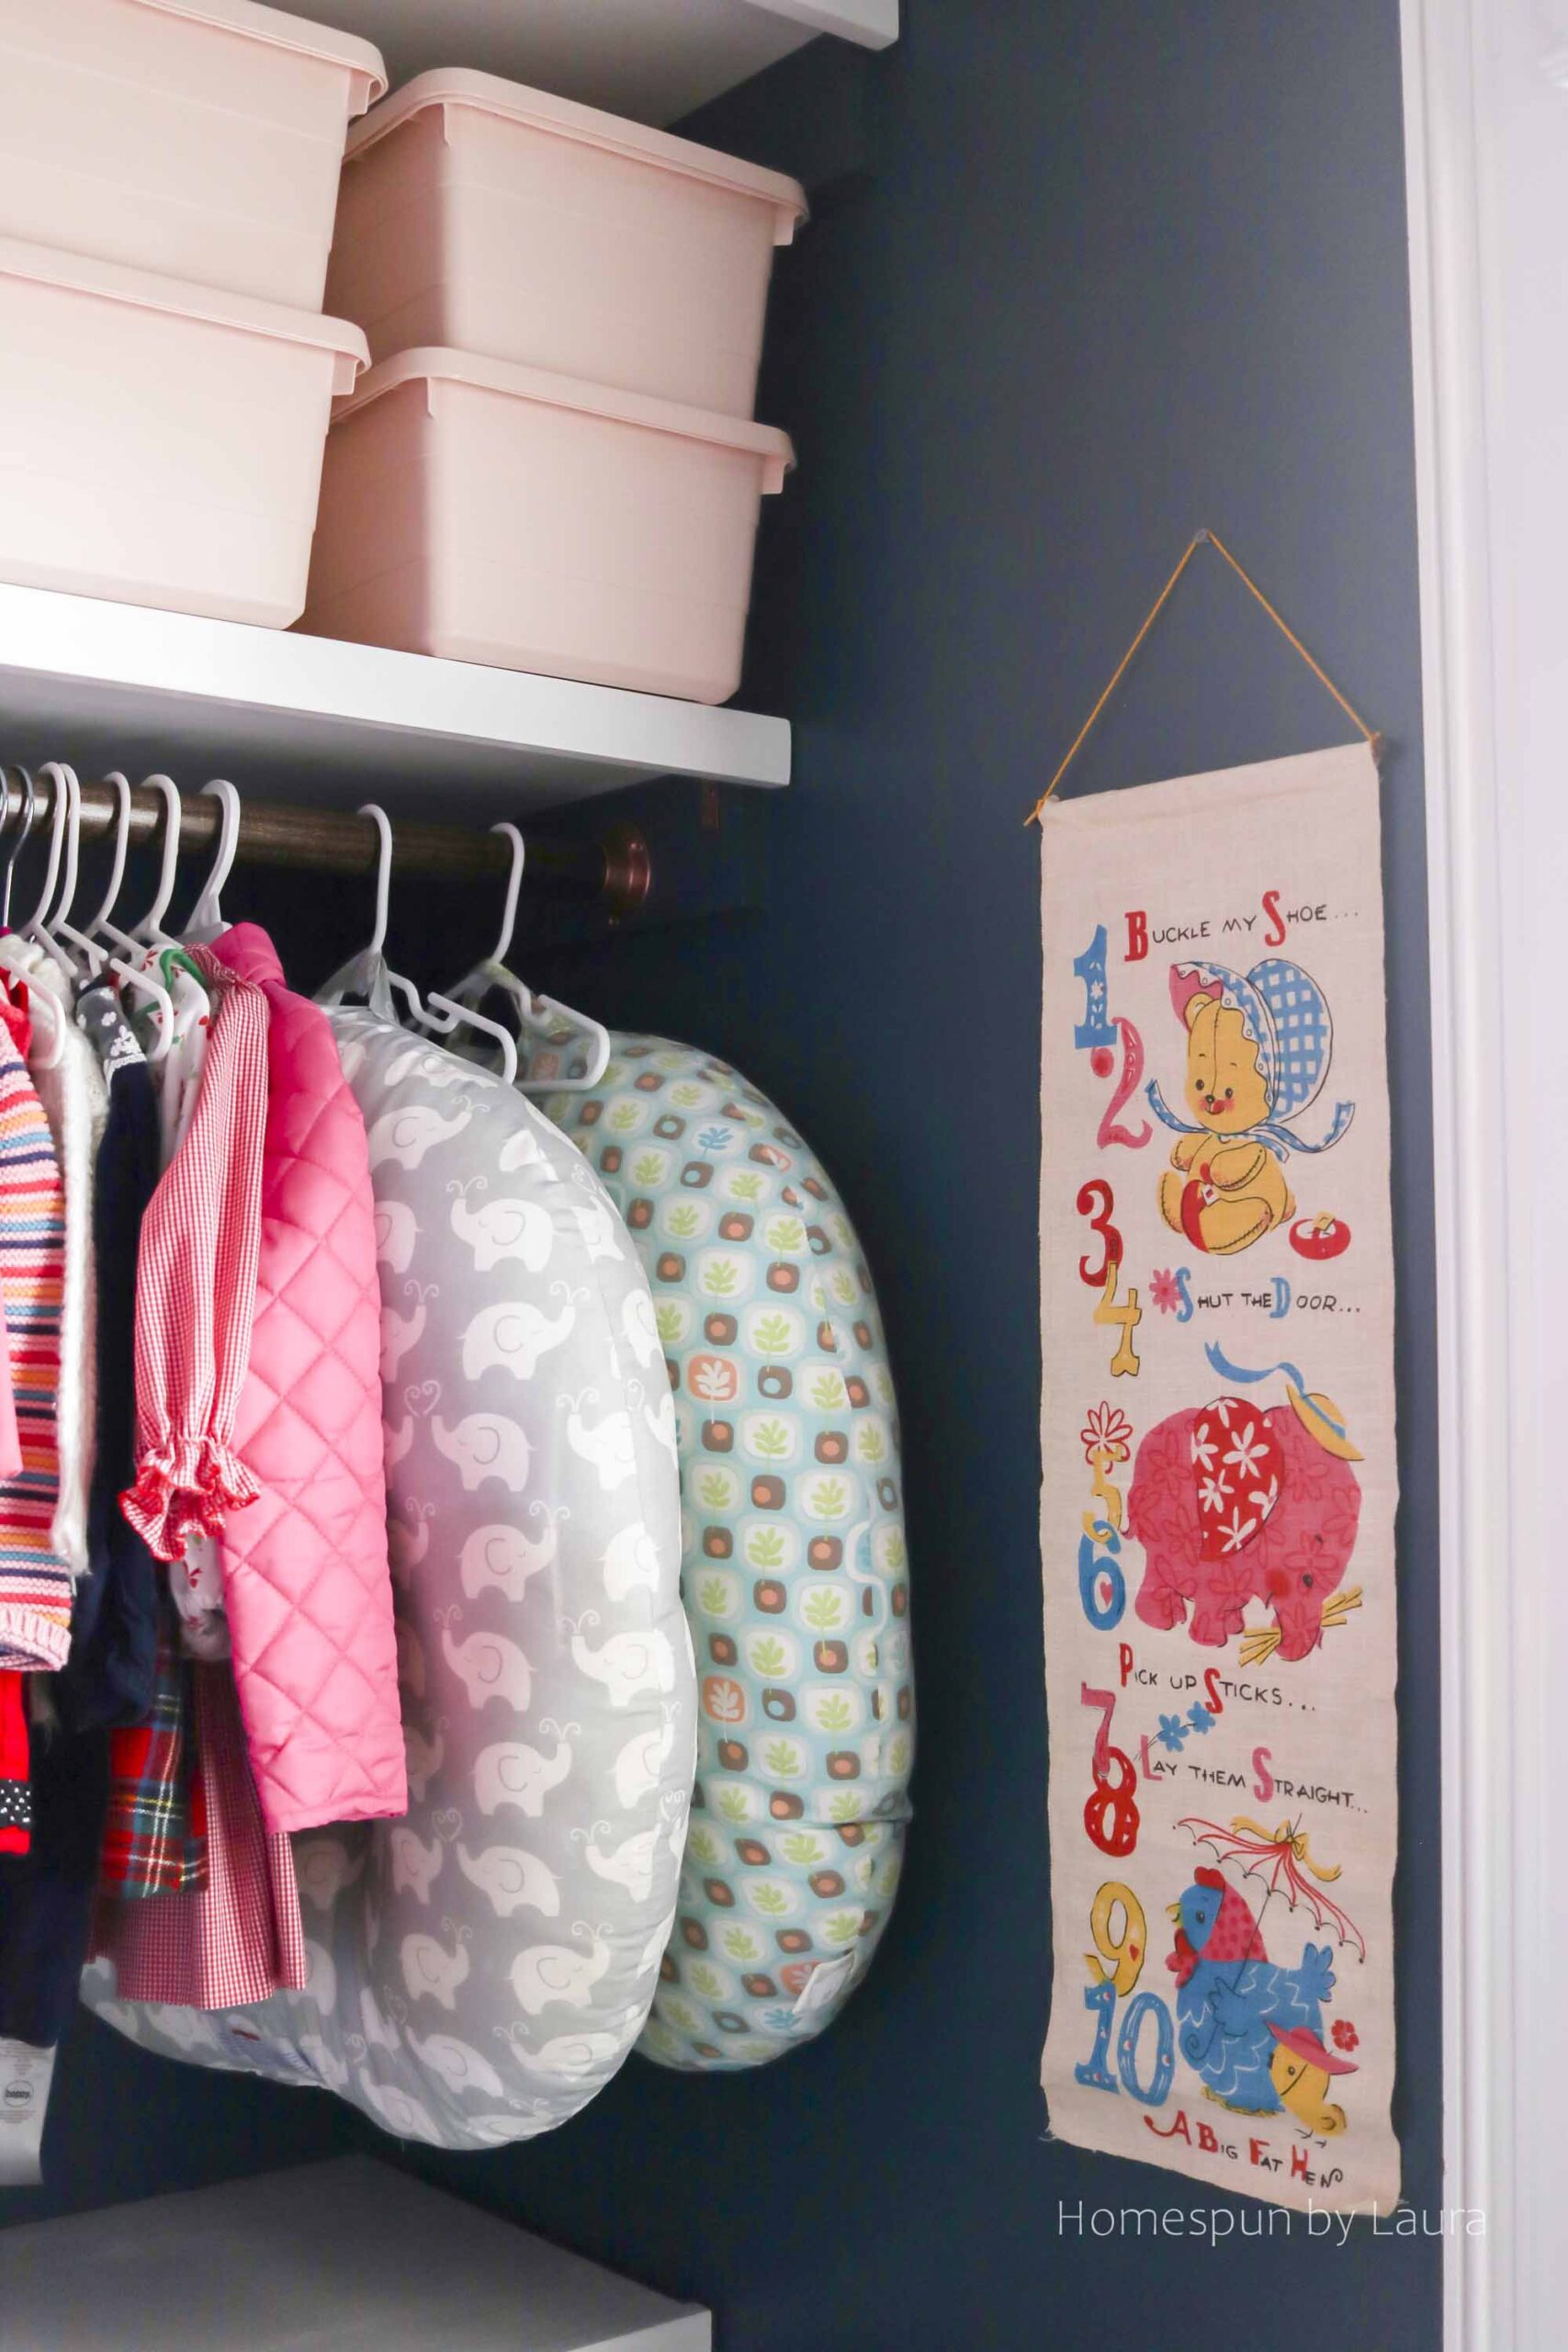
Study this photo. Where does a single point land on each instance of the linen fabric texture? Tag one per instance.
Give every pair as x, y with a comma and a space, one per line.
1219, 1480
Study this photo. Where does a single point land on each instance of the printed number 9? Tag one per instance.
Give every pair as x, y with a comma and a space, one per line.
1125, 1952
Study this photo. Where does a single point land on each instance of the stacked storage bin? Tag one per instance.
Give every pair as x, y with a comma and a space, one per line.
552, 464
166, 379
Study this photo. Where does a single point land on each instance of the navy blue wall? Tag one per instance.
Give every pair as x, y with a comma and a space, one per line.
1104, 270
1109, 269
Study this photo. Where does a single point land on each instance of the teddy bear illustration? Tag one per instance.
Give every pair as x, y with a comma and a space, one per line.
1259, 1046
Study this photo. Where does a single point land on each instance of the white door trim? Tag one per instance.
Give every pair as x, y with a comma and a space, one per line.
1486, 132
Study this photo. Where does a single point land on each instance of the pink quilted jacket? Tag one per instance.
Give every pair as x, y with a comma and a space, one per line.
306, 1580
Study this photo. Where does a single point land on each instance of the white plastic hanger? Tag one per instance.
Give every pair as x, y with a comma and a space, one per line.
369, 975
148, 937
150, 932
206, 919
23, 833
542, 1016
128, 972
51, 1055
37, 929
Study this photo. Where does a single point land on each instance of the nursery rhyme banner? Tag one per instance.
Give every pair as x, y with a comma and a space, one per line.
1217, 1438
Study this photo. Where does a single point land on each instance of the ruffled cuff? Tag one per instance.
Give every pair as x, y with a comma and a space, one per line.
188, 1489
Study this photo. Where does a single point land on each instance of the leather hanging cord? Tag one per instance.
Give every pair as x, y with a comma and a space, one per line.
1199, 539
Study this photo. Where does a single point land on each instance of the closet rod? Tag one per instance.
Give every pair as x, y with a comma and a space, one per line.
616, 870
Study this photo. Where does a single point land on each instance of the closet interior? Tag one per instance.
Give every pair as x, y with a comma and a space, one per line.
454, 1602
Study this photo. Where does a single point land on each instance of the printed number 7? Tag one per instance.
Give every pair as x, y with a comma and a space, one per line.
1110, 1813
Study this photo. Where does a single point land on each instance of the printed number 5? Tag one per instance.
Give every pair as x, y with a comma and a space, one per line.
1096, 1200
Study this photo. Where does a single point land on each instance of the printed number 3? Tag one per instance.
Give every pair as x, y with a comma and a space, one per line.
1096, 1200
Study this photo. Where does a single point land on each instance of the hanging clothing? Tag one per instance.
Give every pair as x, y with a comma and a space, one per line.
46, 1895
35, 1579
75, 1104
109, 1677
307, 1585
196, 1285
240, 1937
154, 1837
15, 1778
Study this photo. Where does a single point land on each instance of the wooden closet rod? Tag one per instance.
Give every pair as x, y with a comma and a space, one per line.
616, 870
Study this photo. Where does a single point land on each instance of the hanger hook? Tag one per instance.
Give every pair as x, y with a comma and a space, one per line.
152, 925
383, 874
514, 887
121, 789
72, 847
29, 811
208, 913
56, 773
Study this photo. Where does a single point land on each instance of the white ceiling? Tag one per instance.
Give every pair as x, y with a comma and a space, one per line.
653, 60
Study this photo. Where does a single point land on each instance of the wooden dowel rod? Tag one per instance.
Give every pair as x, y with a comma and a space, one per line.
337, 841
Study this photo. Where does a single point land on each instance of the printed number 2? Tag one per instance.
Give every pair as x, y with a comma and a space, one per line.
1110, 1813
1110, 1128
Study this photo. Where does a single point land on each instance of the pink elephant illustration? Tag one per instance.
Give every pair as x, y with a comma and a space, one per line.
1233, 1504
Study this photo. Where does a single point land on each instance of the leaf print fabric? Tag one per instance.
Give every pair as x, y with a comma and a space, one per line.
796, 1574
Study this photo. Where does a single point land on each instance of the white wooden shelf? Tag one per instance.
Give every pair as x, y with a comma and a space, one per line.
653, 60
106, 684
348, 2254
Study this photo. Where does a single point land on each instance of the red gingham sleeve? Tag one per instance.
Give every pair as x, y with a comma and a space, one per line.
195, 1286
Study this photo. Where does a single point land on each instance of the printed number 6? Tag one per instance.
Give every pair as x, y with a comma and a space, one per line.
1096, 1196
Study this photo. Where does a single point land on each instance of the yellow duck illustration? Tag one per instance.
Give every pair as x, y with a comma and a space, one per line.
1299, 2070
1257, 1050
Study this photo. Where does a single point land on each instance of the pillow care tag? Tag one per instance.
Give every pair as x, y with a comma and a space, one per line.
824, 1984
25, 2078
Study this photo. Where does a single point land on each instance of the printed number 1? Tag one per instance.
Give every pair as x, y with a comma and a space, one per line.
1095, 1031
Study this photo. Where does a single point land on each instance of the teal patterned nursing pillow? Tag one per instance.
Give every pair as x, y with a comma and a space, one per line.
794, 1567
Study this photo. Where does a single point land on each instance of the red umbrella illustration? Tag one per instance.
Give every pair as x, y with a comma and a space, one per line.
1282, 1858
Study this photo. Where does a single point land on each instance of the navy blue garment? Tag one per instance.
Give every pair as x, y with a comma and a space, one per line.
47, 1894
108, 1676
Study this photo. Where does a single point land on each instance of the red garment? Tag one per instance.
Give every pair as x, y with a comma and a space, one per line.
16, 1791
35, 1580
238, 1938
195, 1286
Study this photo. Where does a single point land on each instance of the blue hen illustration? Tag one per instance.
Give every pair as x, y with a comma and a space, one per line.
1230, 1995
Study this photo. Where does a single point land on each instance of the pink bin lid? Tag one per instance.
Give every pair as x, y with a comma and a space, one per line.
362, 62
111, 281
430, 365
591, 126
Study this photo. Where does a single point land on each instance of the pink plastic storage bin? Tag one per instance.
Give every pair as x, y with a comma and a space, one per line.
161, 442
198, 138
486, 217
498, 514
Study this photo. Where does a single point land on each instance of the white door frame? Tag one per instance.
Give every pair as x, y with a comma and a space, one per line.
1486, 131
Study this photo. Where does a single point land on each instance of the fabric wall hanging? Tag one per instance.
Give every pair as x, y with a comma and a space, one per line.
478, 1969
795, 1578
1219, 1479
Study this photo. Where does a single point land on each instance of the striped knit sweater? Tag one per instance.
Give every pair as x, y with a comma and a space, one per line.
35, 1582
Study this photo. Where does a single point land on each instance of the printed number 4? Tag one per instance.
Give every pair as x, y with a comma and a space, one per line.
1128, 1315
